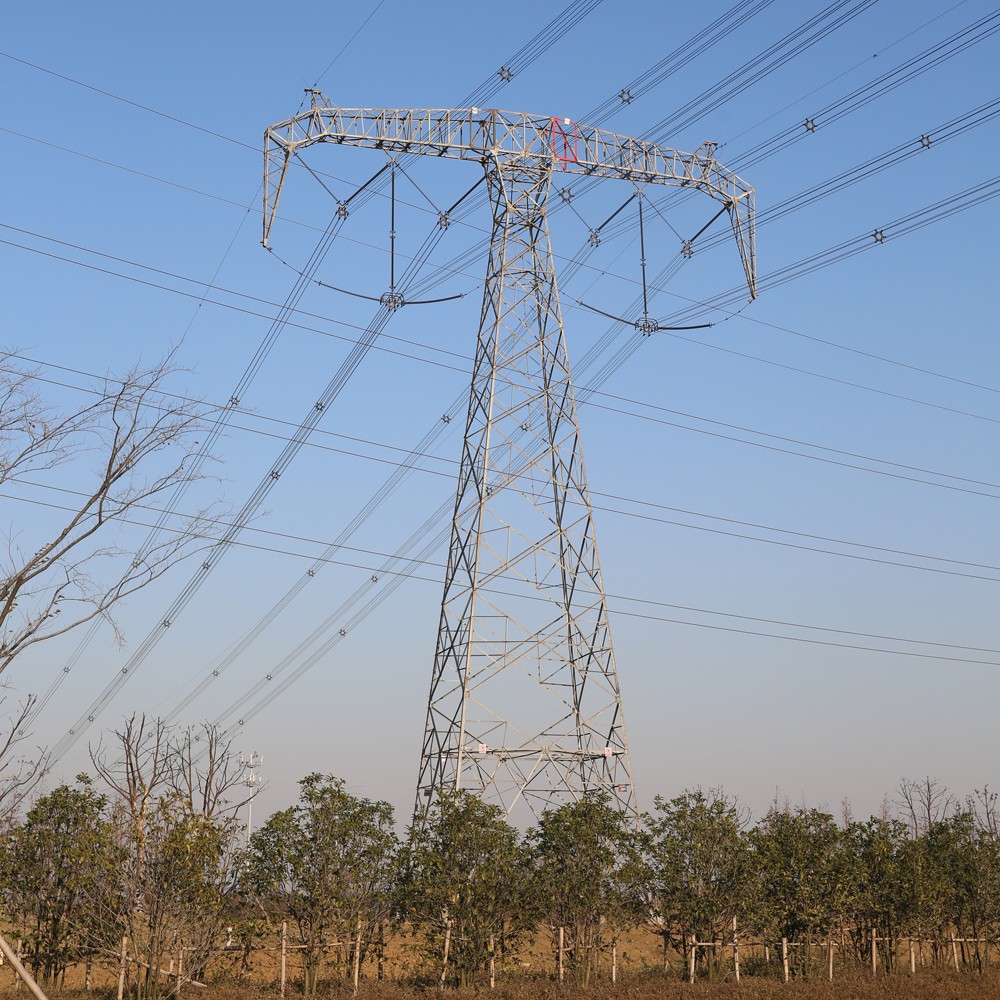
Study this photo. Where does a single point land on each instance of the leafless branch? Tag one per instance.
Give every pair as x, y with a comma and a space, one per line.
18, 774
128, 446
204, 771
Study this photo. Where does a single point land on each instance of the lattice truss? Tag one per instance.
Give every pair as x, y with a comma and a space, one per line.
524, 704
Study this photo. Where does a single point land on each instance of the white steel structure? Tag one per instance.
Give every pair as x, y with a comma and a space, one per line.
524, 700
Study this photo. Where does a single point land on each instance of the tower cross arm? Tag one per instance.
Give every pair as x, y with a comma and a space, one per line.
513, 141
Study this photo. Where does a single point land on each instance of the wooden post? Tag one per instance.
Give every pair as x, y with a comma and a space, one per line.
561, 942
736, 951
444, 957
614, 961
180, 972
874, 952
357, 955
784, 956
829, 958
954, 950
380, 951
692, 952
122, 967
284, 948
493, 965
767, 954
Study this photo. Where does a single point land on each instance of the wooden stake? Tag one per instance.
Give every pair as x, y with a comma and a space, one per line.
122, 967
736, 951
380, 951
954, 950
180, 972
562, 939
784, 956
444, 958
284, 948
614, 961
829, 958
493, 965
692, 951
357, 955
20, 971
874, 953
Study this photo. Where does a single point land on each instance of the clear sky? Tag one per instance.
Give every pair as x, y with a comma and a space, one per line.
796, 509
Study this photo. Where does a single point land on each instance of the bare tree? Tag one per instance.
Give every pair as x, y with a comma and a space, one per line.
102, 464
204, 771
984, 807
924, 803
136, 771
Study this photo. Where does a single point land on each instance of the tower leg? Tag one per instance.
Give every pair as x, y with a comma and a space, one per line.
524, 702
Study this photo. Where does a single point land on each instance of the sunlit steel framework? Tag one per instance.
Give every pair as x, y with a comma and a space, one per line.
524, 700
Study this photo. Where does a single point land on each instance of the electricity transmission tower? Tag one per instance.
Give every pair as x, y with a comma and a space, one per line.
524, 700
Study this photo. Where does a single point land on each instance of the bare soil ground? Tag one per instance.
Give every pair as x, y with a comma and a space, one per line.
927, 985
640, 977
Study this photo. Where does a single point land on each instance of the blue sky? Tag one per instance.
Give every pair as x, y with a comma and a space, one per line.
804, 496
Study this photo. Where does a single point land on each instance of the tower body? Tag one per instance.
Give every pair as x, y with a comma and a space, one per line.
524, 702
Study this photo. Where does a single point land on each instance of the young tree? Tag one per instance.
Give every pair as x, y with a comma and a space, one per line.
798, 861
698, 856
880, 892
325, 865
53, 870
463, 885
178, 901
588, 876
955, 868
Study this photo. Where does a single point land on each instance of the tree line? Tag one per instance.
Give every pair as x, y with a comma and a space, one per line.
143, 863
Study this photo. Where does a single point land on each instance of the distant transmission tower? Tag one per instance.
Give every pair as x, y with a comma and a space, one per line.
524, 700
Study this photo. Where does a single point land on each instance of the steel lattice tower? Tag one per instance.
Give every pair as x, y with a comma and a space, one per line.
524, 701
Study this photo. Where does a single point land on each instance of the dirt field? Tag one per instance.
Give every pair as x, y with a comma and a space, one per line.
928, 985
640, 977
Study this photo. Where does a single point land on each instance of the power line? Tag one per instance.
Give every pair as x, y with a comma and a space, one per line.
890, 361
590, 391
347, 44
571, 15
695, 309
212, 524
422, 560
126, 100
